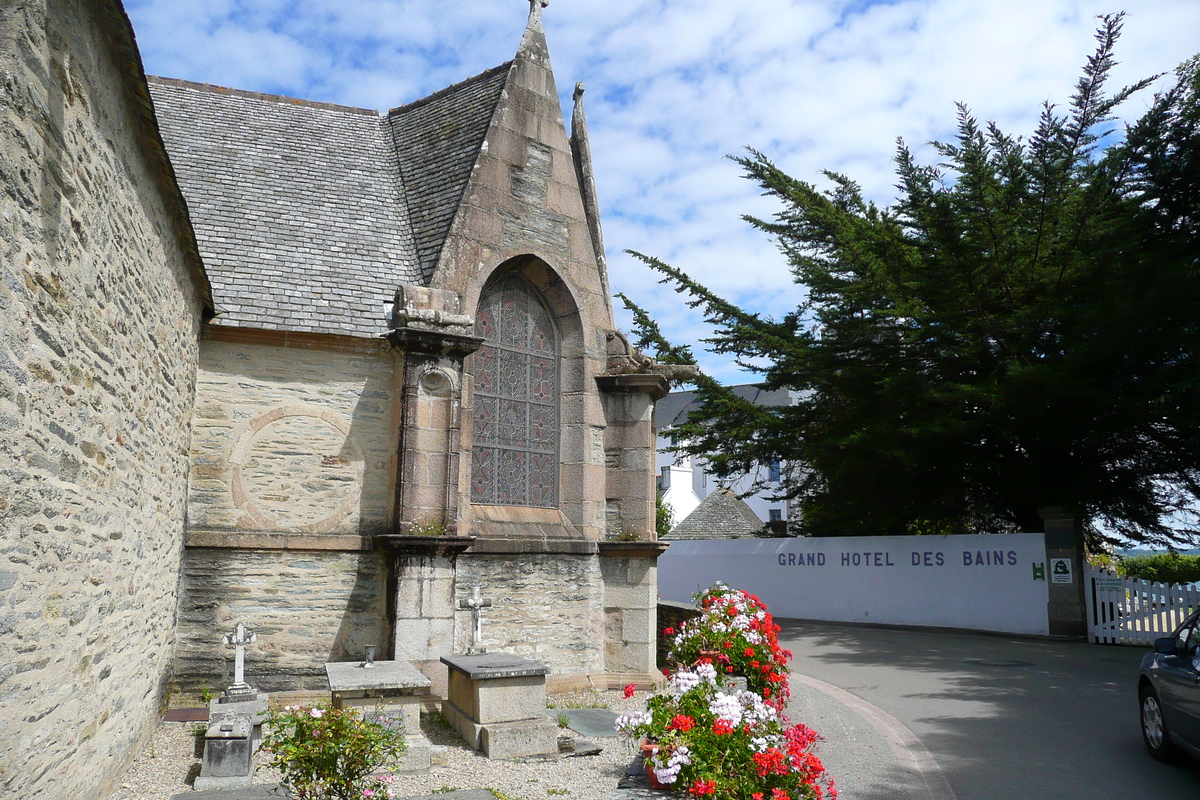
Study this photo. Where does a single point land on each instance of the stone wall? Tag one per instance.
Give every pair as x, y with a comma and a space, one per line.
99, 316
672, 616
630, 609
545, 606
293, 434
293, 470
306, 607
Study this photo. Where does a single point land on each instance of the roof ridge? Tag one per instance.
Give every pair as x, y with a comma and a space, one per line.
487, 73
270, 98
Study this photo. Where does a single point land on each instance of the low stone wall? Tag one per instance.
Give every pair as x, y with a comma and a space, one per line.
671, 615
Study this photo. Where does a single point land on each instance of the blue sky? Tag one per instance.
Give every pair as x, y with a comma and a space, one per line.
676, 85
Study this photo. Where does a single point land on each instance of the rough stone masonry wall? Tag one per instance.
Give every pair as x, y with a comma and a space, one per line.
292, 439
547, 607
99, 323
306, 607
293, 469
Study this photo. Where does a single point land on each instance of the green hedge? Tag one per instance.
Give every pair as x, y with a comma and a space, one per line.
1162, 568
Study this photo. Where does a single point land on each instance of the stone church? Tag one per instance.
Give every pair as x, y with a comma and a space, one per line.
318, 369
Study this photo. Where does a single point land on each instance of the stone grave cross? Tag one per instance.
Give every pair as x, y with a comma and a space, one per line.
475, 602
239, 637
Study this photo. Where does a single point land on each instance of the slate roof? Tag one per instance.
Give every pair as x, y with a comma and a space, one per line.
437, 141
297, 206
673, 409
721, 515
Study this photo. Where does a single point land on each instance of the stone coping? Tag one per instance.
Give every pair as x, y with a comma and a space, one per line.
634, 382
350, 676
403, 544
275, 540
490, 666
652, 549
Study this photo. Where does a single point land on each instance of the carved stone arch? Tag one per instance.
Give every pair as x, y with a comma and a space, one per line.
531, 330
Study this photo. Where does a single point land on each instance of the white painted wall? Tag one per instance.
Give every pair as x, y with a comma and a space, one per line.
976, 582
677, 494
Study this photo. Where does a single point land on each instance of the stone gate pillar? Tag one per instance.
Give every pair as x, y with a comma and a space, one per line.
1066, 610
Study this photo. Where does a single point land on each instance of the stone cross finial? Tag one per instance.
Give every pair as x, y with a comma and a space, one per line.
542, 3
475, 602
239, 637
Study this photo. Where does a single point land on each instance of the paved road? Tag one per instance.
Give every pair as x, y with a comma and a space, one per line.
964, 716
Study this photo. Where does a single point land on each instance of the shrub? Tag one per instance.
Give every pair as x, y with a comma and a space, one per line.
326, 753
1161, 568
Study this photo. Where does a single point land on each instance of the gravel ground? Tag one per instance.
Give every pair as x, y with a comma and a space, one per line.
171, 760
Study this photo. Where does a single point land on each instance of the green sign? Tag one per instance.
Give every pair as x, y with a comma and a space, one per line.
1039, 571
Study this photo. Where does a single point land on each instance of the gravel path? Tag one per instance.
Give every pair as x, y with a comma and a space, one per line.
171, 760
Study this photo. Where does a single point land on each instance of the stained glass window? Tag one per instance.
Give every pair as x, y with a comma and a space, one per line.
514, 452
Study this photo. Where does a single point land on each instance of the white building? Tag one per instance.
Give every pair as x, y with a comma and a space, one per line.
685, 480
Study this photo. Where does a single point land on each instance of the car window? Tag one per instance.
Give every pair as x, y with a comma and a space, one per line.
1188, 638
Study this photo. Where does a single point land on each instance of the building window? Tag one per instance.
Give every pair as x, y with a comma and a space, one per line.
514, 453
773, 470
775, 515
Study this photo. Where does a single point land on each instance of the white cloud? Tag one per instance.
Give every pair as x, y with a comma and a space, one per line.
675, 85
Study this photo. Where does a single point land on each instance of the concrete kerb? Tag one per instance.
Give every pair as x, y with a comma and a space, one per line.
926, 780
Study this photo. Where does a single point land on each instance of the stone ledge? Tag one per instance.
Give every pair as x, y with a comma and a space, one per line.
506, 545
634, 382
633, 549
423, 545
276, 540
339, 343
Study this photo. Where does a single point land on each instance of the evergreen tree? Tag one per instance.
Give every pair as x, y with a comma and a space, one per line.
1019, 329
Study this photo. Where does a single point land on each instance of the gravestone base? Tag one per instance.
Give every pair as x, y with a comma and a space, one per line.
254, 708
391, 690
497, 704
228, 753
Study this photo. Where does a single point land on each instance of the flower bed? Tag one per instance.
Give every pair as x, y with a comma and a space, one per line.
712, 739
736, 632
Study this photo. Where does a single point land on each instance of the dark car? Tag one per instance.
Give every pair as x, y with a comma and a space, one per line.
1169, 692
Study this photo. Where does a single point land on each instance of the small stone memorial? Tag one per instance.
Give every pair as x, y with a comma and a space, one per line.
390, 689
235, 724
497, 703
476, 603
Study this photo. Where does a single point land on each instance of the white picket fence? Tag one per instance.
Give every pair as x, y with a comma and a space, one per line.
1133, 611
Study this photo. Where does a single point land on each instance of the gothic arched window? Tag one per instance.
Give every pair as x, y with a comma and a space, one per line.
514, 453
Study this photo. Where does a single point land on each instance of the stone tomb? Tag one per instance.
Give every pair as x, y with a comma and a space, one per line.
497, 703
393, 689
235, 724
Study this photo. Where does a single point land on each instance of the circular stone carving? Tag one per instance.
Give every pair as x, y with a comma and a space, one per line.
297, 469
437, 383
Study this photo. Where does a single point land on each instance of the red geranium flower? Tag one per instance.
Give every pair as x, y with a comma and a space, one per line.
701, 788
681, 722
629, 690
722, 727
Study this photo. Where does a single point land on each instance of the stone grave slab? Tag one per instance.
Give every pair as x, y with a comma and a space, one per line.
394, 689
497, 703
261, 791
595, 723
